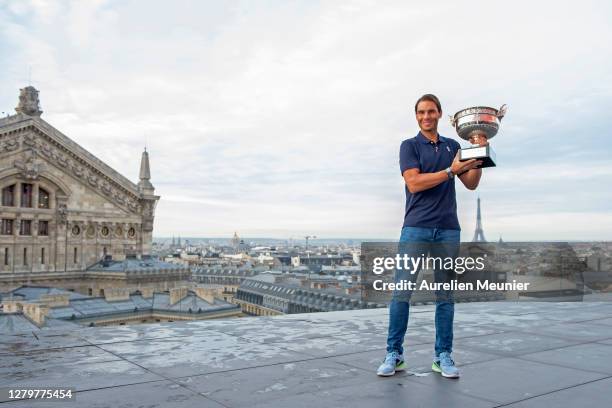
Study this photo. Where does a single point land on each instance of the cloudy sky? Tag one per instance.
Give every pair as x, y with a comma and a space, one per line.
284, 118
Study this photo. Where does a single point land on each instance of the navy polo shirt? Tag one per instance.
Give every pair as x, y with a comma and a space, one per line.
437, 206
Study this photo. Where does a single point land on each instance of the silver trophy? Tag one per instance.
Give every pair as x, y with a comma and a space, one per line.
473, 123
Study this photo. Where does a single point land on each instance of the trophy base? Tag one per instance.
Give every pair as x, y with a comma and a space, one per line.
484, 153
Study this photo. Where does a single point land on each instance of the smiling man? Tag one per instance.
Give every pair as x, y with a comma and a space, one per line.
429, 163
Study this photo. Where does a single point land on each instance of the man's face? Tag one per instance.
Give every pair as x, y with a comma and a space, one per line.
427, 115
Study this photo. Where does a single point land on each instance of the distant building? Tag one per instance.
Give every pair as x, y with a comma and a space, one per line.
315, 260
274, 294
228, 278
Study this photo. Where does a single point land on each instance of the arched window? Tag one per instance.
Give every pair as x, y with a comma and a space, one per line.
8, 196
43, 198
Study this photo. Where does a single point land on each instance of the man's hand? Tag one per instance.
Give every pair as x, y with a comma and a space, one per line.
471, 178
459, 167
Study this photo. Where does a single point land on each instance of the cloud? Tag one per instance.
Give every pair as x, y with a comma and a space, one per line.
285, 119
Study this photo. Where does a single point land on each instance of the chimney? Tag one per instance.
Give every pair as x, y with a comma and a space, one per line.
177, 294
36, 312
55, 300
207, 294
147, 292
116, 294
12, 306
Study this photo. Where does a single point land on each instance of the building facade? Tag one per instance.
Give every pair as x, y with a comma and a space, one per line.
63, 210
269, 295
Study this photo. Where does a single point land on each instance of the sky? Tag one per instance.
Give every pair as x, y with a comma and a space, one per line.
284, 118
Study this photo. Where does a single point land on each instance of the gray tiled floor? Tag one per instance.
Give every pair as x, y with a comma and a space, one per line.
380, 393
589, 357
595, 394
268, 383
524, 354
508, 379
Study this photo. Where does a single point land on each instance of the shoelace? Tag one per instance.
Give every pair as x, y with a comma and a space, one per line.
392, 357
445, 359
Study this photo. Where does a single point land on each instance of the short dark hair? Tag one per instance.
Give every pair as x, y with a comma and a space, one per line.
428, 97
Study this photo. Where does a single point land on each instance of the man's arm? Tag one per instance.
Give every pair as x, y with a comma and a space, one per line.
471, 178
417, 181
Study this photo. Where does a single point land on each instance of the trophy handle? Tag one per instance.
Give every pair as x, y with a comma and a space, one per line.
502, 111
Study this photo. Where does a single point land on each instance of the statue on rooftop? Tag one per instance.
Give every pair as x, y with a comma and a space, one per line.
28, 102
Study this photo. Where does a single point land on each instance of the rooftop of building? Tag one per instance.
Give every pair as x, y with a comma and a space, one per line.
224, 270
297, 287
30, 292
514, 354
134, 265
89, 308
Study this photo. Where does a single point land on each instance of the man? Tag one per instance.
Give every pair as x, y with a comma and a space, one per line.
429, 164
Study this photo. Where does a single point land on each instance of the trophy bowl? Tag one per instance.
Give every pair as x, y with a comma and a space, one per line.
471, 124
478, 120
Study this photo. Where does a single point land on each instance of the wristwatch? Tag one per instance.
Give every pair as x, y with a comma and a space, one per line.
449, 173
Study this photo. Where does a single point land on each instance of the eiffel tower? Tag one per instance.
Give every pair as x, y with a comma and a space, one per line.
478, 233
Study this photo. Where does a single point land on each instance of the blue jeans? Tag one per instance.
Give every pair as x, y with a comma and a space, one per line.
435, 242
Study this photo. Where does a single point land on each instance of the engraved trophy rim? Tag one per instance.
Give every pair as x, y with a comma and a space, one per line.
477, 119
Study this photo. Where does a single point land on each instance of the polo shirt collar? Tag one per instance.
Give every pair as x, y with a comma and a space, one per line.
421, 138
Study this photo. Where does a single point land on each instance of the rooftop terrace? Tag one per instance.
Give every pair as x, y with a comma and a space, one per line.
510, 354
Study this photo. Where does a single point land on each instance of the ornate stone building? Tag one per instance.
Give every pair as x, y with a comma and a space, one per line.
68, 219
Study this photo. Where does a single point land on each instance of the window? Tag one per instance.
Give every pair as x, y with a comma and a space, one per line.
43, 228
26, 227
25, 256
42, 256
43, 198
6, 256
7, 227
8, 196
75, 255
26, 195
